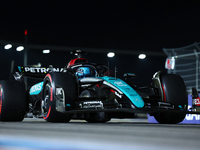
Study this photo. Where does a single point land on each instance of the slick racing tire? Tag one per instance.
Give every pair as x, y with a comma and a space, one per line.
58, 87
13, 101
100, 117
174, 92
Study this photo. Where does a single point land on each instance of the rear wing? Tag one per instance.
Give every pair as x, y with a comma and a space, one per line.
35, 72
40, 72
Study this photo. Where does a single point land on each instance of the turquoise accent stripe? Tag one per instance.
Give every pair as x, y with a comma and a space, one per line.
36, 89
19, 68
126, 89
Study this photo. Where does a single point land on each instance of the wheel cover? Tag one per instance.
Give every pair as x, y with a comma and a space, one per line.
45, 103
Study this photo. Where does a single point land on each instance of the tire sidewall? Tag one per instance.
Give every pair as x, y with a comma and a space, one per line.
172, 89
53, 79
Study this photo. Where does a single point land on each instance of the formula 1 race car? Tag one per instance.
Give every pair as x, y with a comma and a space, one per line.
81, 90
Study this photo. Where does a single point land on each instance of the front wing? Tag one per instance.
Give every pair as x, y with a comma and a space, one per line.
129, 110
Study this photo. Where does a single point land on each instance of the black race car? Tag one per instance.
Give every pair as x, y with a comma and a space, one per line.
81, 90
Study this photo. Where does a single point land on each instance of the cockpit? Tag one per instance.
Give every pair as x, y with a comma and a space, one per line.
85, 69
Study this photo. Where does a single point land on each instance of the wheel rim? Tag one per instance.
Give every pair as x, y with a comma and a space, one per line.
46, 100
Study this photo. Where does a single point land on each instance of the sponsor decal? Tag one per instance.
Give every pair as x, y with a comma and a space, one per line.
60, 95
119, 83
90, 79
120, 96
36, 89
41, 69
191, 116
91, 104
133, 94
196, 101
59, 91
85, 85
170, 63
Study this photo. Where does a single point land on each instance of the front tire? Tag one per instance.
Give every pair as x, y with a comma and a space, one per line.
173, 91
66, 82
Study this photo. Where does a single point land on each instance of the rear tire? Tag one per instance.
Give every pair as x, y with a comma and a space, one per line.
13, 101
67, 82
174, 92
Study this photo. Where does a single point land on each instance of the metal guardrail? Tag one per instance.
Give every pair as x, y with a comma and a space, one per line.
187, 64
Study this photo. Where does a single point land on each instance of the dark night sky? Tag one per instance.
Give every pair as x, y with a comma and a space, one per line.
121, 24
142, 25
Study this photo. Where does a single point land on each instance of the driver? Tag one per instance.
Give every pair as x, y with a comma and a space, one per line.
83, 72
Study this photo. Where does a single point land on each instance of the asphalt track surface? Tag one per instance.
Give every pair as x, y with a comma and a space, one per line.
118, 134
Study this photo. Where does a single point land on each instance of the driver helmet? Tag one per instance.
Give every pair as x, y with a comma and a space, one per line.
83, 72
